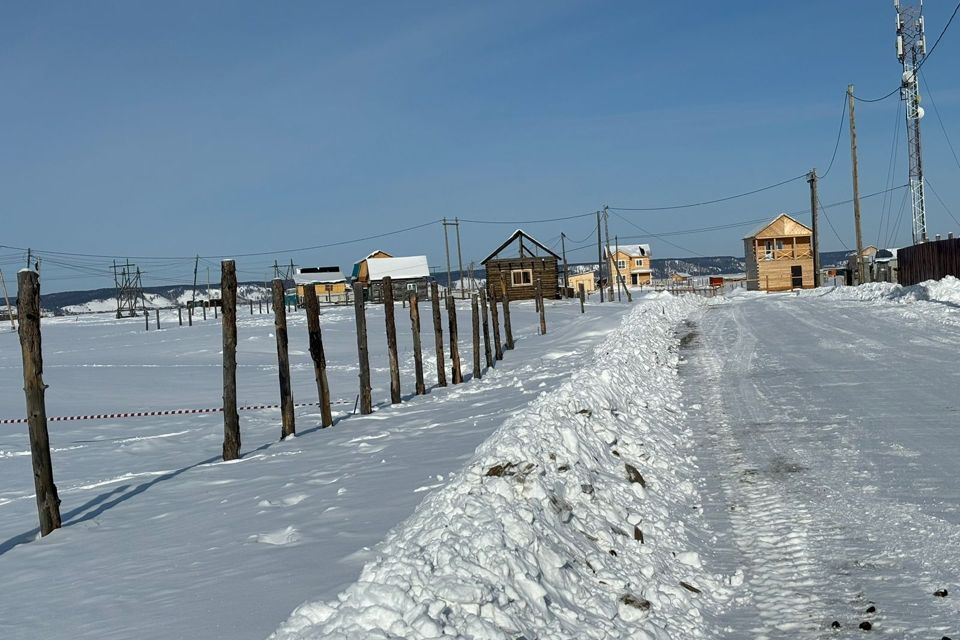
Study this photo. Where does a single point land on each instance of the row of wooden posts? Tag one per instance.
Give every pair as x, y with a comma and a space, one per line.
485, 316
146, 314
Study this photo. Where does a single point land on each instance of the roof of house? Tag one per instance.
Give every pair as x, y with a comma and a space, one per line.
398, 268
633, 250
318, 275
782, 225
520, 235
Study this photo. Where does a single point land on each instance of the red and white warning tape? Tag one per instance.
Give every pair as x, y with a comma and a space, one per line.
165, 412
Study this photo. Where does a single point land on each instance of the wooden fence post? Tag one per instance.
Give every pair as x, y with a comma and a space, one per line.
366, 402
260, 306
231, 419
486, 327
543, 316
495, 319
388, 314
146, 319
312, 307
190, 316
583, 295
475, 309
180, 315
507, 326
287, 428
216, 313
158, 318
417, 347
251, 307
438, 334
28, 310
457, 376
204, 309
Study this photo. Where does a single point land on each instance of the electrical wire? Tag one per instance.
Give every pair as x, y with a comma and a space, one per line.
940, 120
922, 62
886, 206
538, 221
836, 146
830, 224
706, 202
654, 235
940, 200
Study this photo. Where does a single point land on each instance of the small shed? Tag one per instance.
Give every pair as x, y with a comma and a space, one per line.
519, 269
779, 256
329, 283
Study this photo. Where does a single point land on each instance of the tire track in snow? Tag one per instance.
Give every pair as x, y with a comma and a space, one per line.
771, 530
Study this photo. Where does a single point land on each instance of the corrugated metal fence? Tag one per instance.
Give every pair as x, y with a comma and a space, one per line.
929, 261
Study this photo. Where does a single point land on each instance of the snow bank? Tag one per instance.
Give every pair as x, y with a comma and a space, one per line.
945, 290
570, 521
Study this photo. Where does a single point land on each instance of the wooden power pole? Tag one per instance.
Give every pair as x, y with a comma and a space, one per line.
231, 419
856, 184
599, 256
812, 179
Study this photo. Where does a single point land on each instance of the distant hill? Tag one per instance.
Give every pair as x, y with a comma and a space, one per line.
162, 296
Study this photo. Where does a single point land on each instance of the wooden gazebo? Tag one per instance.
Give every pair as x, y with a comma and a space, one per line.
518, 270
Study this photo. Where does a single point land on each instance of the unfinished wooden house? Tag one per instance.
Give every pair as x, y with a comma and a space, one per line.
517, 265
779, 256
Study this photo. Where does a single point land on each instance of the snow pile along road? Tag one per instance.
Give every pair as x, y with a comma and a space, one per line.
945, 290
574, 520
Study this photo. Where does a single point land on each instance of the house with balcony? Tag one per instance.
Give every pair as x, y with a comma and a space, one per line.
779, 256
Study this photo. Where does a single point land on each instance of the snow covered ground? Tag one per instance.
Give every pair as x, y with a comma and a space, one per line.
162, 540
829, 432
755, 468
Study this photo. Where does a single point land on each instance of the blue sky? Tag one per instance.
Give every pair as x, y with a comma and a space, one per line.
177, 128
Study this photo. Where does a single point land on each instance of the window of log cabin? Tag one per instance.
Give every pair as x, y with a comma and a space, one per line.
411, 286
621, 264
328, 287
638, 262
770, 246
522, 277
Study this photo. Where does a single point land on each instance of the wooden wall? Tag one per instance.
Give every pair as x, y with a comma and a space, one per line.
544, 268
928, 261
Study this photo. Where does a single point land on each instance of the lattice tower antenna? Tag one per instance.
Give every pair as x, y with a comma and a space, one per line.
911, 50
126, 279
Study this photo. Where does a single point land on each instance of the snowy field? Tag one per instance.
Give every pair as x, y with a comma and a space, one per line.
161, 540
755, 467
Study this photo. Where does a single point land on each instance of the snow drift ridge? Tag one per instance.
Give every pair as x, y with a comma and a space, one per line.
573, 520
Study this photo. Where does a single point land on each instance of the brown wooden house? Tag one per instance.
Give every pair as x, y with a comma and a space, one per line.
779, 256
520, 268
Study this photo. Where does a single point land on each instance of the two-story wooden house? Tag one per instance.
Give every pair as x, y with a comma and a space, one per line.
779, 256
632, 262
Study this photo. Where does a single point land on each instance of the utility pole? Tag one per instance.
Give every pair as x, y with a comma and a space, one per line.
29, 256
566, 274
196, 264
616, 242
456, 221
911, 50
606, 228
446, 243
599, 256
856, 183
6, 297
208, 286
812, 179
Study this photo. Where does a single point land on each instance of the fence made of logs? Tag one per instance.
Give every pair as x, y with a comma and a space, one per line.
489, 314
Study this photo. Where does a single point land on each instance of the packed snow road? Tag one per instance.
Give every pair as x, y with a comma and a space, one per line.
829, 435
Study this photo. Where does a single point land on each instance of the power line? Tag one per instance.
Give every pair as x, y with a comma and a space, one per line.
538, 221
655, 235
843, 118
922, 62
830, 224
940, 200
233, 255
706, 202
940, 120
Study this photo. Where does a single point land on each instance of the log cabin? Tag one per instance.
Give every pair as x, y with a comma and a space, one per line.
519, 273
779, 256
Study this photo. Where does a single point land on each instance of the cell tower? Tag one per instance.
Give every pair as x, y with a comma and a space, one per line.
911, 49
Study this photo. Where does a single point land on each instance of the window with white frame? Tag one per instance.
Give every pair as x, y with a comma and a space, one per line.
411, 286
621, 264
638, 262
522, 277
